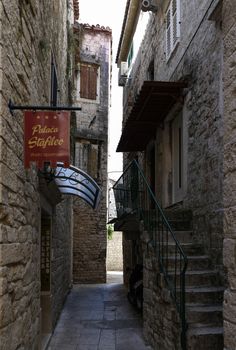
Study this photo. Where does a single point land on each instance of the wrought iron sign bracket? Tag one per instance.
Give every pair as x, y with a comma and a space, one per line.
13, 107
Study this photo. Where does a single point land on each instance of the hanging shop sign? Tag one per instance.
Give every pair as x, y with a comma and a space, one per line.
47, 136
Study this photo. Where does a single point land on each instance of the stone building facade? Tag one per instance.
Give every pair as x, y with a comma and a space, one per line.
92, 81
35, 219
229, 84
115, 252
178, 136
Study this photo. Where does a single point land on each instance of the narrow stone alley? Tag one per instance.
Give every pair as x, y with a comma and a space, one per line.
98, 317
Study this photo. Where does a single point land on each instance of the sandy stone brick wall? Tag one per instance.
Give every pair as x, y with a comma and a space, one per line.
229, 186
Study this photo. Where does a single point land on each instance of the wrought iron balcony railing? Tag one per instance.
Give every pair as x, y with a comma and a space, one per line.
133, 195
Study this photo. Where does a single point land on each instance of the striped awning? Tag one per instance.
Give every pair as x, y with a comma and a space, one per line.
76, 182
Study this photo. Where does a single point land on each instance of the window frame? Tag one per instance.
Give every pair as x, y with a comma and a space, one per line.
88, 156
172, 23
130, 55
54, 88
178, 158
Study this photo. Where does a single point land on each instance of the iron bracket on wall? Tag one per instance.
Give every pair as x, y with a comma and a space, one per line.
13, 107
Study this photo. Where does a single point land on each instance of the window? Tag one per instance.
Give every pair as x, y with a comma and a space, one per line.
150, 72
131, 55
172, 26
177, 158
88, 81
54, 84
87, 157
45, 260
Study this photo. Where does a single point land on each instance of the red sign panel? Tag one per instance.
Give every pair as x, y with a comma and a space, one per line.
47, 138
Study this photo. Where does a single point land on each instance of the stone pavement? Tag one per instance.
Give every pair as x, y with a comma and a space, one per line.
98, 317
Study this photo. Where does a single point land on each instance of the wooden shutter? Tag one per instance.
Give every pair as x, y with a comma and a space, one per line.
174, 7
87, 157
172, 26
168, 32
175, 21
93, 153
84, 81
88, 81
92, 82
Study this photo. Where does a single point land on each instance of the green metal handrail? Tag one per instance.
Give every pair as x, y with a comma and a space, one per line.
134, 195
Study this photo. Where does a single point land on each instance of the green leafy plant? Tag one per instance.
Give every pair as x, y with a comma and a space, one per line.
110, 230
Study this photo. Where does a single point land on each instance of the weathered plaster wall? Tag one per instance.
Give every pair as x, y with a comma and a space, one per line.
229, 185
29, 31
90, 234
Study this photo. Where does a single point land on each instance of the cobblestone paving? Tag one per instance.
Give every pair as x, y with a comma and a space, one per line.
98, 317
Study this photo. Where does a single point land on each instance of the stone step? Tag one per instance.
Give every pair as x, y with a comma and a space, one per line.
205, 338
180, 225
178, 214
195, 262
204, 314
179, 219
203, 278
188, 248
183, 236
204, 295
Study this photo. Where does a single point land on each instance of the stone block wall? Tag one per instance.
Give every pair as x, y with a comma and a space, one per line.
28, 34
62, 255
229, 185
162, 327
203, 111
114, 252
128, 263
90, 232
197, 60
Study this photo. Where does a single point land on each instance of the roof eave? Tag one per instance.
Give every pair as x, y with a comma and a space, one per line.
131, 16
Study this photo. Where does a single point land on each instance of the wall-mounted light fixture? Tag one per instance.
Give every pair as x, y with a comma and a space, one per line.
148, 5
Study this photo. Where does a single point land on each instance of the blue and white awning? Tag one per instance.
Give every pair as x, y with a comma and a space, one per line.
76, 182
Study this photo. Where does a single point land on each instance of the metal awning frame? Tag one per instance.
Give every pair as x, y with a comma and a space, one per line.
13, 107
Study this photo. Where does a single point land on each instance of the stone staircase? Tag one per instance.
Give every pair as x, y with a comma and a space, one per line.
204, 295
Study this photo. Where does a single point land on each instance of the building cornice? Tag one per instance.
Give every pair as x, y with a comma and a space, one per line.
93, 28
